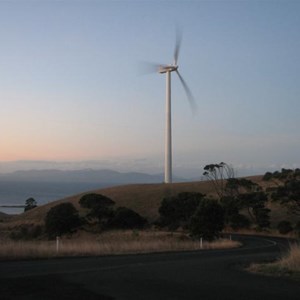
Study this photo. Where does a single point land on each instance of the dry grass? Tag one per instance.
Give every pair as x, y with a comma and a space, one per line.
110, 243
291, 261
145, 199
288, 265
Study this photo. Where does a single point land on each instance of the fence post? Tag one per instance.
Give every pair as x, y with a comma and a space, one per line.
201, 243
57, 244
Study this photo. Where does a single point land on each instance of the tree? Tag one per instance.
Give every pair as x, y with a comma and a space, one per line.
30, 203
61, 219
177, 210
208, 220
255, 205
235, 186
125, 218
100, 206
289, 195
239, 221
218, 174
93, 200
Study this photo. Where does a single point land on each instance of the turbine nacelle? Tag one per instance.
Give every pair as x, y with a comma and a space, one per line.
167, 68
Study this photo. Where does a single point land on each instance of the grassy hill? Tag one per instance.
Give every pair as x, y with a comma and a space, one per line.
143, 198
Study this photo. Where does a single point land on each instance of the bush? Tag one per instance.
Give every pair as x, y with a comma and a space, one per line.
101, 207
176, 211
268, 176
239, 221
284, 227
26, 232
125, 218
95, 200
208, 220
61, 219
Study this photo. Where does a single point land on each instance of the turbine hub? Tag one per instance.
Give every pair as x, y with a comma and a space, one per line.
167, 68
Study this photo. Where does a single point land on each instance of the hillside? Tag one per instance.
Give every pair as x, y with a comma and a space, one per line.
143, 198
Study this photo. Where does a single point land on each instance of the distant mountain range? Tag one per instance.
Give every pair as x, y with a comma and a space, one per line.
84, 176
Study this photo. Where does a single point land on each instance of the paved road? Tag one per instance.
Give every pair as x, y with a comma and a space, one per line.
205, 275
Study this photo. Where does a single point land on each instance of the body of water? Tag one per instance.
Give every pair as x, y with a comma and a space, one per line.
14, 193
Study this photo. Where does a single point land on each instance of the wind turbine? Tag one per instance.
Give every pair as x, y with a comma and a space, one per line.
168, 69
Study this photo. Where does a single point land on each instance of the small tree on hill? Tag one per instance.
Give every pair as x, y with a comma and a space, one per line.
218, 174
30, 203
208, 220
61, 219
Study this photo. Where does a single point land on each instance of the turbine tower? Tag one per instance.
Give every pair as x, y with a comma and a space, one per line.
168, 69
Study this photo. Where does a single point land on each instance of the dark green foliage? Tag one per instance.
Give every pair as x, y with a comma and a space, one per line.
289, 195
61, 219
125, 218
26, 232
254, 203
176, 211
262, 216
95, 200
30, 203
208, 220
230, 206
235, 186
284, 227
268, 176
218, 174
101, 207
239, 221
283, 175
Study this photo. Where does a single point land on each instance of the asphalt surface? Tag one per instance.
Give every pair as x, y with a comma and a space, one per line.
211, 274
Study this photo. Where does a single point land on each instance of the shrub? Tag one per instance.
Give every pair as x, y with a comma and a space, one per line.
284, 227
176, 211
208, 220
26, 232
239, 221
268, 176
125, 218
95, 200
61, 219
101, 207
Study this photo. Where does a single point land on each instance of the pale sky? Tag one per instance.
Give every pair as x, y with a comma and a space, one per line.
70, 89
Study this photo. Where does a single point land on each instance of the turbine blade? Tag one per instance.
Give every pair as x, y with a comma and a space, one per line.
148, 68
177, 46
188, 93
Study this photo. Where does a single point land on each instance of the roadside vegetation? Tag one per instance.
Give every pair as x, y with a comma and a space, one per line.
158, 217
288, 265
107, 243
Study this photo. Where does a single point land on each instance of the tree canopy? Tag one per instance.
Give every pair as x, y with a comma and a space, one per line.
61, 219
